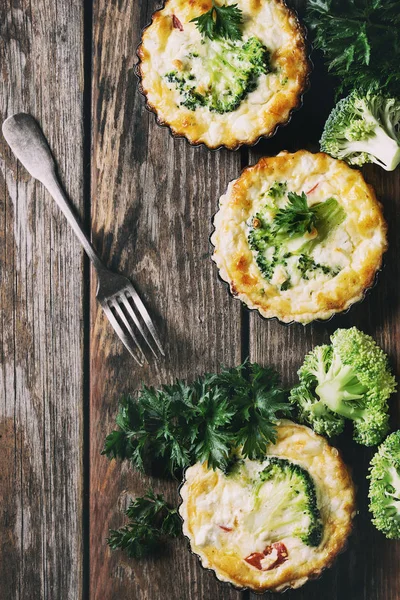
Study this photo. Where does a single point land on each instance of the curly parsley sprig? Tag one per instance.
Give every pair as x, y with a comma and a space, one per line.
360, 40
151, 522
296, 218
220, 22
178, 425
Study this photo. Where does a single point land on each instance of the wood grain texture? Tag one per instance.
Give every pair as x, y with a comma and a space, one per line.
153, 201
41, 311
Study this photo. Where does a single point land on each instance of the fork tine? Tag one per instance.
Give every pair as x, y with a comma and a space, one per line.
121, 334
120, 313
137, 322
145, 315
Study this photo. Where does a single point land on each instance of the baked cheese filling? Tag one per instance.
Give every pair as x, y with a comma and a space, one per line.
299, 236
223, 91
271, 524
264, 503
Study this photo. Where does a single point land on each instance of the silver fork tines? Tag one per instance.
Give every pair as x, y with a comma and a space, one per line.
122, 335
131, 312
130, 290
115, 293
120, 300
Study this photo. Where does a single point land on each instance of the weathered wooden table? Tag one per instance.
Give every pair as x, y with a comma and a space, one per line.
149, 200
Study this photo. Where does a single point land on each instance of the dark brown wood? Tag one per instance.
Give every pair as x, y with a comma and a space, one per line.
153, 198
41, 291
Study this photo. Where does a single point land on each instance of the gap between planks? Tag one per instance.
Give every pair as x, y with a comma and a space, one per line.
87, 209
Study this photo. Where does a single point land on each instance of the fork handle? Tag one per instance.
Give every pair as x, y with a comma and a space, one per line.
54, 188
29, 145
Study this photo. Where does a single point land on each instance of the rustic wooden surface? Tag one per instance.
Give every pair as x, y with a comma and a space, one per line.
152, 199
42, 311
151, 223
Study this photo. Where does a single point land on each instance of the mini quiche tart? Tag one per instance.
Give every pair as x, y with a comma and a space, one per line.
271, 525
223, 92
299, 237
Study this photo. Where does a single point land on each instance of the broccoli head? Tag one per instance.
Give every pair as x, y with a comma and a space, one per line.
220, 75
364, 128
286, 503
269, 235
255, 56
349, 379
384, 490
277, 190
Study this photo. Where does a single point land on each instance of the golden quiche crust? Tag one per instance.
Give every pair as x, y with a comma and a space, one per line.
365, 230
271, 104
336, 500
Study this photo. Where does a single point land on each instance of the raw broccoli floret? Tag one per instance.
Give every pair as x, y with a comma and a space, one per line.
384, 490
230, 71
350, 379
286, 503
364, 128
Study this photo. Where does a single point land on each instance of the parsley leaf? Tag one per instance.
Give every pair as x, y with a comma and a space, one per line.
258, 401
151, 521
212, 417
178, 425
360, 40
296, 218
220, 22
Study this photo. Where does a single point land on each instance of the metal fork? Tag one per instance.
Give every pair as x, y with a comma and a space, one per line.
115, 293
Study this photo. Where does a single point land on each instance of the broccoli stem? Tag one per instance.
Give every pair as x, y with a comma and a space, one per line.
318, 409
340, 389
394, 480
382, 149
391, 501
329, 214
217, 56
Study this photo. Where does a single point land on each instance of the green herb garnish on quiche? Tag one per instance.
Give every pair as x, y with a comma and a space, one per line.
220, 22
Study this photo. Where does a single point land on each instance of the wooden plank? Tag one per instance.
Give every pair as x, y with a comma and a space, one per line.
367, 570
41, 376
153, 201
